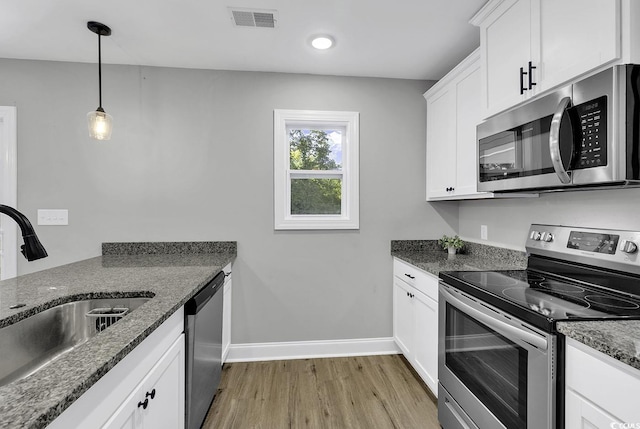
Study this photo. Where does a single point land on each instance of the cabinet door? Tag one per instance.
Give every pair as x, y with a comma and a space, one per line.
163, 390
506, 41
426, 339
468, 116
166, 408
576, 36
441, 143
581, 414
402, 317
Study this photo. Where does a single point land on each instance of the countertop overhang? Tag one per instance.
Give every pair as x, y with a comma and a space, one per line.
173, 278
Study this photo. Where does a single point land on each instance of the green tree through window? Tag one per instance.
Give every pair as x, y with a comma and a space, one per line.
311, 150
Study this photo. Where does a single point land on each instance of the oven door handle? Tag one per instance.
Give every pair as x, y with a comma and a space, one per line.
554, 141
527, 337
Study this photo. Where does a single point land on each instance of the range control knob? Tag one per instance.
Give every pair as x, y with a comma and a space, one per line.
535, 235
547, 236
628, 246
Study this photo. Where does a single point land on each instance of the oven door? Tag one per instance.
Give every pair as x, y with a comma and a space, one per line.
494, 371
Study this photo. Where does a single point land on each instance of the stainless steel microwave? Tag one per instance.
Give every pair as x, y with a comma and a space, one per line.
583, 135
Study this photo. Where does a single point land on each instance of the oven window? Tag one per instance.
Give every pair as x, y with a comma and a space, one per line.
491, 366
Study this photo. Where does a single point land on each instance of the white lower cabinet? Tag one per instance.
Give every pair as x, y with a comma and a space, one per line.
226, 312
601, 392
415, 320
582, 414
158, 401
154, 371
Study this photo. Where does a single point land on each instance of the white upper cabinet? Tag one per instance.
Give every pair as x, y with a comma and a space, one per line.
453, 112
576, 36
505, 50
441, 139
531, 46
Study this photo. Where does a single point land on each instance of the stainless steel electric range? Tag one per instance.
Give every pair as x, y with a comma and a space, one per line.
500, 360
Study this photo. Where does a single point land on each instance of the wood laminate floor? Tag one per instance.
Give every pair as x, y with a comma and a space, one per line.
369, 392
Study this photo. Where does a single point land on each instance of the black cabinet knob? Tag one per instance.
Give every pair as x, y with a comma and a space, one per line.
152, 394
144, 404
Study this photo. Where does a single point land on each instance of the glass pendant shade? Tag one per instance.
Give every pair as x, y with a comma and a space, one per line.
100, 124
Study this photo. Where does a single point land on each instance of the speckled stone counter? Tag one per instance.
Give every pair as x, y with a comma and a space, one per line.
429, 256
171, 276
619, 339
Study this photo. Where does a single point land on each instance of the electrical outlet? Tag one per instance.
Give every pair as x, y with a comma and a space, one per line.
484, 232
53, 217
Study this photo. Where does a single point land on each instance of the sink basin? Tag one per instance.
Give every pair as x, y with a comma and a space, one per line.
30, 344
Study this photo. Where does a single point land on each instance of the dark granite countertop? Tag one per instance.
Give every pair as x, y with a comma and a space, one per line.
430, 257
619, 339
172, 278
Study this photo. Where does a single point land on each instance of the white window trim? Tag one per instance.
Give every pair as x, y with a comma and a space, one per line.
350, 215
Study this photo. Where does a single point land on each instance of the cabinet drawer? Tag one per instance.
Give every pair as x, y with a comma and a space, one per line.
607, 382
424, 282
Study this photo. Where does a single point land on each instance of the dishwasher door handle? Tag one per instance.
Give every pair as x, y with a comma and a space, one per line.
200, 299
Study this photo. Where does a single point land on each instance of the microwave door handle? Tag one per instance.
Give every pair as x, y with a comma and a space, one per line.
554, 141
492, 322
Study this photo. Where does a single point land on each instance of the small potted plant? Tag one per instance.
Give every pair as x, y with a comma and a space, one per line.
452, 244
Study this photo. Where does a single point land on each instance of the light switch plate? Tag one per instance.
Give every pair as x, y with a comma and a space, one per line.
484, 233
53, 217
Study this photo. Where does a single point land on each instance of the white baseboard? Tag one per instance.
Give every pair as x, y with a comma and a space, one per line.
311, 349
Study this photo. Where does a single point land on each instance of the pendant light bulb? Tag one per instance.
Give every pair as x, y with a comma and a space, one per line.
99, 122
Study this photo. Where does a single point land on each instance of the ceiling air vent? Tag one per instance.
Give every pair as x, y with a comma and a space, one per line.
254, 18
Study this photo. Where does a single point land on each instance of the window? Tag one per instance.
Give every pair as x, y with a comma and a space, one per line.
315, 169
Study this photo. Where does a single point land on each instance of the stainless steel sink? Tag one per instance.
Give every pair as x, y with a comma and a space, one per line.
30, 344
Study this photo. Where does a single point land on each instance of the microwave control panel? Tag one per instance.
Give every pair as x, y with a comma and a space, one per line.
593, 134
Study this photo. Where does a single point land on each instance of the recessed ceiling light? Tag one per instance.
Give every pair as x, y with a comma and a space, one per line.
322, 42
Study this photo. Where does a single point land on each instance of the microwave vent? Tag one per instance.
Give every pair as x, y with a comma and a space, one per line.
254, 18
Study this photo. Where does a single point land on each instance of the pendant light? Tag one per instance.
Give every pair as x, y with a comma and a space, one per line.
99, 121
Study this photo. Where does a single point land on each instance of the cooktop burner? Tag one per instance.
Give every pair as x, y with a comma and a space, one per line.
557, 286
603, 301
490, 278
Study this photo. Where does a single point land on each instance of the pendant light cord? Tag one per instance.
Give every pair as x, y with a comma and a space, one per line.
99, 73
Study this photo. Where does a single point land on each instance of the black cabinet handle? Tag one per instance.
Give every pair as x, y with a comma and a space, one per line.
144, 404
152, 394
450, 189
522, 73
531, 68
410, 276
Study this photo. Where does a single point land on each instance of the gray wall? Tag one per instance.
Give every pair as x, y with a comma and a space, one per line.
508, 220
191, 159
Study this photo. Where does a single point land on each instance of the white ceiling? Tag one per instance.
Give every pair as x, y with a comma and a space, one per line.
412, 39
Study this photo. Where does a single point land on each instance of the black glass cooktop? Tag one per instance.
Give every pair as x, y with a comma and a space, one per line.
543, 299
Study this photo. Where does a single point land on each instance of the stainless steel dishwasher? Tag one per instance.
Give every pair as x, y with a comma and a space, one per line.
203, 332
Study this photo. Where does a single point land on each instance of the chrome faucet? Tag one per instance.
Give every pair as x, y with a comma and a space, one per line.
32, 249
